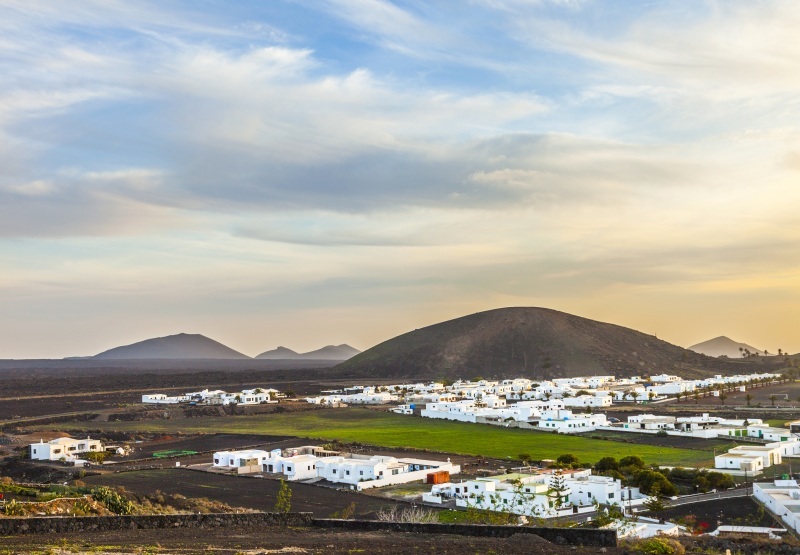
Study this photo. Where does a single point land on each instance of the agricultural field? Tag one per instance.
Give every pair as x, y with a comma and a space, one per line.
391, 430
242, 491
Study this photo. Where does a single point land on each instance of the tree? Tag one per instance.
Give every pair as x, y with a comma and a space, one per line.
722, 397
772, 399
283, 501
654, 504
651, 396
557, 489
606, 464
568, 458
749, 398
678, 396
652, 480
631, 460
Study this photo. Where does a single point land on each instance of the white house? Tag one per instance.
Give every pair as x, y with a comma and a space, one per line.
752, 464
234, 459
66, 448
162, 399
782, 497
362, 472
565, 422
536, 494
650, 422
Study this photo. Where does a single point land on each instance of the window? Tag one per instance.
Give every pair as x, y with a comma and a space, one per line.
347, 472
361, 472
611, 495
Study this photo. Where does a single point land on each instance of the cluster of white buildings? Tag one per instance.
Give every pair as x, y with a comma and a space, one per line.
359, 395
217, 397
585, 392
64, 449
543, 415
544, 494
313, 463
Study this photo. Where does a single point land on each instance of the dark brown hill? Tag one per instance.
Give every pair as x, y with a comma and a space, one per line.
724, 346
330, 352
180, 346
532, 342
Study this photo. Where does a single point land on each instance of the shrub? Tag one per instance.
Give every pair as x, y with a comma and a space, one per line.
659, 546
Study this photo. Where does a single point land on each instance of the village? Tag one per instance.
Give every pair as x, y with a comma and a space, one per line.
533, 489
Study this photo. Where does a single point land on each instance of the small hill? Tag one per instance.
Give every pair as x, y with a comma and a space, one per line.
723, 346
281, 353
534, 342
331, 352
181, 346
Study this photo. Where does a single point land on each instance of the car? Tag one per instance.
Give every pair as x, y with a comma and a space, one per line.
613, 420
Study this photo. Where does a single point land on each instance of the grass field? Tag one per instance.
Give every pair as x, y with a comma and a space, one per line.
391, 430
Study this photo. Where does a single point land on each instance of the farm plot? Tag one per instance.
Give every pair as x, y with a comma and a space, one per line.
709, 445
242, 491
391, 430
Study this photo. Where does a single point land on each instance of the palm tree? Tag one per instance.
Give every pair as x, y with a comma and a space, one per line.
749, 398
678, 396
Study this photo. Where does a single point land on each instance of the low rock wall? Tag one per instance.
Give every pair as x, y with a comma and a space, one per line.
564, 536
57, 524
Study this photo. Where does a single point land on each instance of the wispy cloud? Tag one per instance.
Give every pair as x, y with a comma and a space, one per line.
228, 161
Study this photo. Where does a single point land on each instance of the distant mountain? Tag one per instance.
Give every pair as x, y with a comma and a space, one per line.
281, 353
723, 346
180, 346
331, 352
534, 342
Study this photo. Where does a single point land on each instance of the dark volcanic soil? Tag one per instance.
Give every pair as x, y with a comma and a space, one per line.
242, 491
281, 540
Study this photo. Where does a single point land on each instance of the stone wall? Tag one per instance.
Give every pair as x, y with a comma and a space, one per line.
87, 524
56, 524
570, 536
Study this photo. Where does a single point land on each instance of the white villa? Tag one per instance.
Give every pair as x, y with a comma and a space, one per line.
65, 448
538, 495
782, 497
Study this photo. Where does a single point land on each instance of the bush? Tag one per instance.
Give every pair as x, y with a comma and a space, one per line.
659, 546
631, 460
606, 464
568, 458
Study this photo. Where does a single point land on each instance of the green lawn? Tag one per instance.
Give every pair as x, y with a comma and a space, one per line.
392, 430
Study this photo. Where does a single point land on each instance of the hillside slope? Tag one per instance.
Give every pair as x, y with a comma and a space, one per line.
181, 346
533, 342
723, 346
281, 353
330, 352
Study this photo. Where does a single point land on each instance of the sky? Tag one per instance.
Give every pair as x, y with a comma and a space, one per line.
312, 172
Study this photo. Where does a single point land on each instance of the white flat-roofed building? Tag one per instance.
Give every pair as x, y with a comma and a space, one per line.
752, 464
234, 459
782, 497
377, 471
162, 399
650, 422
66, 448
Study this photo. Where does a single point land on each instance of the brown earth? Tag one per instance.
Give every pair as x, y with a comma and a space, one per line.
248, 541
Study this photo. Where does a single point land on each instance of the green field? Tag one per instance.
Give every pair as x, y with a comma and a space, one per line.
392, 430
